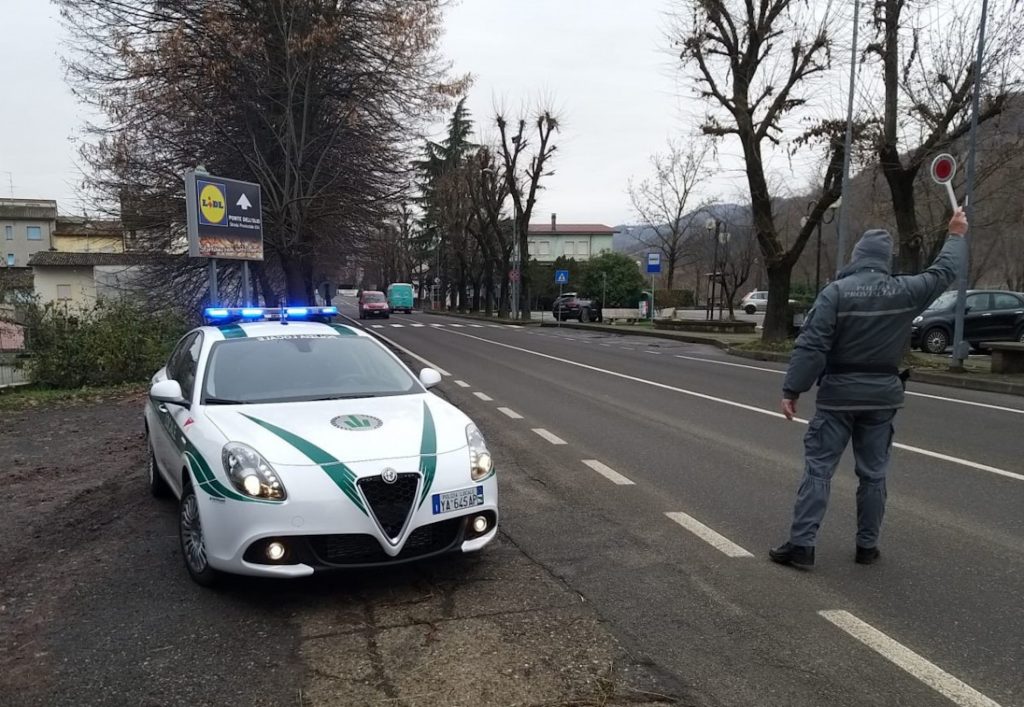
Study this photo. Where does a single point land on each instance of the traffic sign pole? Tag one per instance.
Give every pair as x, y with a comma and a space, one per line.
246, 293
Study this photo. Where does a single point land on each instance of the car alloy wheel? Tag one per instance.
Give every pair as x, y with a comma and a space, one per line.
750, 309
935, 341
192, 544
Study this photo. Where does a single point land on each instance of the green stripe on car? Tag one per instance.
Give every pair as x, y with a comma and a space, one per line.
428, 452
341, 475
343, 330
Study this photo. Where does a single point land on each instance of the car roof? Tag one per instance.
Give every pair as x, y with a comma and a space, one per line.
237, 330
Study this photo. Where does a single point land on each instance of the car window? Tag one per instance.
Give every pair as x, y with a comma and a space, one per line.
186, 364
945, 301
175, 360
1005, 301
302, 368
979, 303
373, 298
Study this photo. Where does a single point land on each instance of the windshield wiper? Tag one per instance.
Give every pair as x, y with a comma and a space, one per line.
224, 401
351, 396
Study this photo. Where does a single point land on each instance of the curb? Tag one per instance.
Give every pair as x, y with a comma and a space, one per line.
655, 334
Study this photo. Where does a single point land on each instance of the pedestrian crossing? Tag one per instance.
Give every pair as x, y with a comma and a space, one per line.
439, 325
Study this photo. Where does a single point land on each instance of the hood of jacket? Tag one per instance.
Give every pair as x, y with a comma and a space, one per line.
873, 250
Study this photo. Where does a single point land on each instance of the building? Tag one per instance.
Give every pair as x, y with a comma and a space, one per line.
27, 227
79, 279
580, 241
77, 234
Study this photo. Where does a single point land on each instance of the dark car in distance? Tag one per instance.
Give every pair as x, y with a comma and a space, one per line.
571, 306
991, 315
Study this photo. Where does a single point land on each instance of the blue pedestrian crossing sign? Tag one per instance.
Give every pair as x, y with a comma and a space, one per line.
653, 263
561, 277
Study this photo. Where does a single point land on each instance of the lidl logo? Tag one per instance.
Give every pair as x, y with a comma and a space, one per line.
356, 423
213, 209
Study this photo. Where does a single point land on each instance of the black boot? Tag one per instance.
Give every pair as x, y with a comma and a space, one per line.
789, 554
867, 555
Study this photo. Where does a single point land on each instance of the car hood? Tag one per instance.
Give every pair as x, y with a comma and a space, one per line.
350, 431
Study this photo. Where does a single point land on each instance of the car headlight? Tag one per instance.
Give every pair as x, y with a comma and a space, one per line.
480, 462
250, 473
918, 319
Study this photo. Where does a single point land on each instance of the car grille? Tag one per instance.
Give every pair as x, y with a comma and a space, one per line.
359, 549
390, 504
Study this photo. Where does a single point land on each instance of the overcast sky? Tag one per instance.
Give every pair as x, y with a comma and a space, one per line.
603, 64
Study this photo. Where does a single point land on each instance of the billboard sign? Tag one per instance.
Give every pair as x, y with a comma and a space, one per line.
225, 217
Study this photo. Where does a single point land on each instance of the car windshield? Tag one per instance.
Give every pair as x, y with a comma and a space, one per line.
302, 368
373, 298
946, 301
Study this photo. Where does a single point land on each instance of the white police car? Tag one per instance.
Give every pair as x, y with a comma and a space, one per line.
295, 446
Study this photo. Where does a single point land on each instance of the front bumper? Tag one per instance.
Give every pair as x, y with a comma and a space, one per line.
321, 528
375, 312
915, 336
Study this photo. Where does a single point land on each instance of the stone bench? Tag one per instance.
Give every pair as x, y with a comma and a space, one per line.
1007, 356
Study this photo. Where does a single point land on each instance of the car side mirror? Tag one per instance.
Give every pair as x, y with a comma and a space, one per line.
429, 378
169, 392
967, 309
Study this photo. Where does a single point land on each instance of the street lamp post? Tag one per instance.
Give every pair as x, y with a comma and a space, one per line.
830, 212
723, 238
713, 227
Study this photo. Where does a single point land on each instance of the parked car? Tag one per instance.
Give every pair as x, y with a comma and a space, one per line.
757, 301
400, 297
373, 303
571, 306
991, 315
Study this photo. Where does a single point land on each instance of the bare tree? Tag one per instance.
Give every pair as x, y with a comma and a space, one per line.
753, 63
927, 66
524, 180
664, 202
736, 263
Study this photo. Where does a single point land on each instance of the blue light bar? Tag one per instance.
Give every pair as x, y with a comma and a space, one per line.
267, 313
217, 312
328, 310
297, 311
252, 312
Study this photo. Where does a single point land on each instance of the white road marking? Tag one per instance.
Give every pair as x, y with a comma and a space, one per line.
462, 384
776, 371
398, 326
733, 403
436, 325
477, 326
484, 396
715, 540
377, 326
608, 473
548, 436
930, 674
407, 352
418, 325
509, 412
495, 326
457, 326
653, 353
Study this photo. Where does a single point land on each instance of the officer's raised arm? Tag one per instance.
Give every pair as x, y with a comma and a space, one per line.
931, 283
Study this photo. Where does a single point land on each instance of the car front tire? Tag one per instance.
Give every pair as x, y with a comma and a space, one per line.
157, 485
750, 309
935, 341
585, 316
193, 542
1020, 335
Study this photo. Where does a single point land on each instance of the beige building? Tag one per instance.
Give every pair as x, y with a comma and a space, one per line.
76, 234
26, 227
579, 241
80, 279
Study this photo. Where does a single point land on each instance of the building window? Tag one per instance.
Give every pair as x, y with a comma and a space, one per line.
34, 233
569, 248
10, 260
583, 247
64, 292
531, 248
9, 233
544, 248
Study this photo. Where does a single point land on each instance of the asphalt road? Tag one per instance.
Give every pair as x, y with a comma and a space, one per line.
606, 435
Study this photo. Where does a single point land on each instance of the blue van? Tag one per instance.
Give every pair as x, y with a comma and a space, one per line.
400, 297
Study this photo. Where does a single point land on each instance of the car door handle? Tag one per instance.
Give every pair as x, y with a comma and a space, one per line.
987, 314
162, 408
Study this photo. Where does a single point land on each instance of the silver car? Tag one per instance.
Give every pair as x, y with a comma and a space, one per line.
754, 302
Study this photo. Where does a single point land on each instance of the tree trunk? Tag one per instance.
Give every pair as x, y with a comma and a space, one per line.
901, 187
524, 273
777, 318
489, 289
295, 281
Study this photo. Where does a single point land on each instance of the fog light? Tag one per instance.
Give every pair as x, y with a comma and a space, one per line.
275, 551
479, 524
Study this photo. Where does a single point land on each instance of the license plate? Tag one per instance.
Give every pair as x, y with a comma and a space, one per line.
457, 500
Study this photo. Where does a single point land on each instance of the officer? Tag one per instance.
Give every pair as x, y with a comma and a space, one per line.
852, 343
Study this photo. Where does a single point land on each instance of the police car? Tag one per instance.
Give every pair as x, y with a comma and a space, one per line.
295, 446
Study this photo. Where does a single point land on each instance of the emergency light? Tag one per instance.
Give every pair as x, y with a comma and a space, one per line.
257, 313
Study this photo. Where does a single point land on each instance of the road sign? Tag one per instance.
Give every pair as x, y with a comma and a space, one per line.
513, 275
561, 277
653, 263
224, 217
943, 171
327, 291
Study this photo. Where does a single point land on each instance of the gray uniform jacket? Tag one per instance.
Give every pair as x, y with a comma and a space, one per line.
863, 320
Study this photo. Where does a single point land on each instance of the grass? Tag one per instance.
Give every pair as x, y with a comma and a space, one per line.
781, 347
30, 396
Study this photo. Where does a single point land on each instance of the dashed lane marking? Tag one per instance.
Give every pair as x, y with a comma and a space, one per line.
608, 473
715, 540
484, 396
927, 672
509, 412
548, 436
407, 352
462, 384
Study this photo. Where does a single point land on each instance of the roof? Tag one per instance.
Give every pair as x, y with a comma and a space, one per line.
56, 258
82, 226
570, 228
28, 209
16, 279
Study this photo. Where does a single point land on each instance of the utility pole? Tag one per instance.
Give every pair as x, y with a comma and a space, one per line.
848, 142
